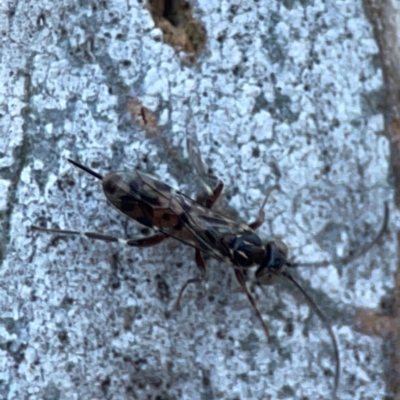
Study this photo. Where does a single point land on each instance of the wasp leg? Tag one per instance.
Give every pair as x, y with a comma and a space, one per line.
209, 199
141, 242
241, 279
207, 180
216, 194
211, 196
261, 214
147, 241
202, 267
208, 202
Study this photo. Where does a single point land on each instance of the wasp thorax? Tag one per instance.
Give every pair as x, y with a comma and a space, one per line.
245, 248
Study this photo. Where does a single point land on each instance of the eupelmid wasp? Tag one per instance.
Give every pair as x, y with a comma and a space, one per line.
169, 213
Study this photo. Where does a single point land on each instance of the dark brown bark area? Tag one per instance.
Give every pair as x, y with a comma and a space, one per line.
382, 15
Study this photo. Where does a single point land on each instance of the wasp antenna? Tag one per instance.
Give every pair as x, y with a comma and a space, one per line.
314, 264
366, 248
86, 169
327, 326
351, 257
269, 191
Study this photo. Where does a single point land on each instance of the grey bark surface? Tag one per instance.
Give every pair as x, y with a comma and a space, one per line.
285, 93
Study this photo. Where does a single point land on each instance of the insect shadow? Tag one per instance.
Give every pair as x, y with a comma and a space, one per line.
170, 213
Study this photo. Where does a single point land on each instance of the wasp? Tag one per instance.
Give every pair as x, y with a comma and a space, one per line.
170, 213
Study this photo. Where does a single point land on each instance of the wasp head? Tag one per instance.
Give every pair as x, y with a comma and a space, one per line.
272, 263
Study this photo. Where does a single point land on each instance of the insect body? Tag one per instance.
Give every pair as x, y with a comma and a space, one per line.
169, 213
158, 206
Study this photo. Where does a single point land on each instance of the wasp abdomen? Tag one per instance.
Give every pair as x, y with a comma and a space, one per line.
143, 198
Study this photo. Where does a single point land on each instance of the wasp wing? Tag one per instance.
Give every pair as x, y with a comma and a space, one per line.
157, 205
198, 226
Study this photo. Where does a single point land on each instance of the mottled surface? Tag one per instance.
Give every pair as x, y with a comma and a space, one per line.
285, 94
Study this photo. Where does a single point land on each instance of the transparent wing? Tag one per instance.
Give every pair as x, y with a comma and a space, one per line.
186, 220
